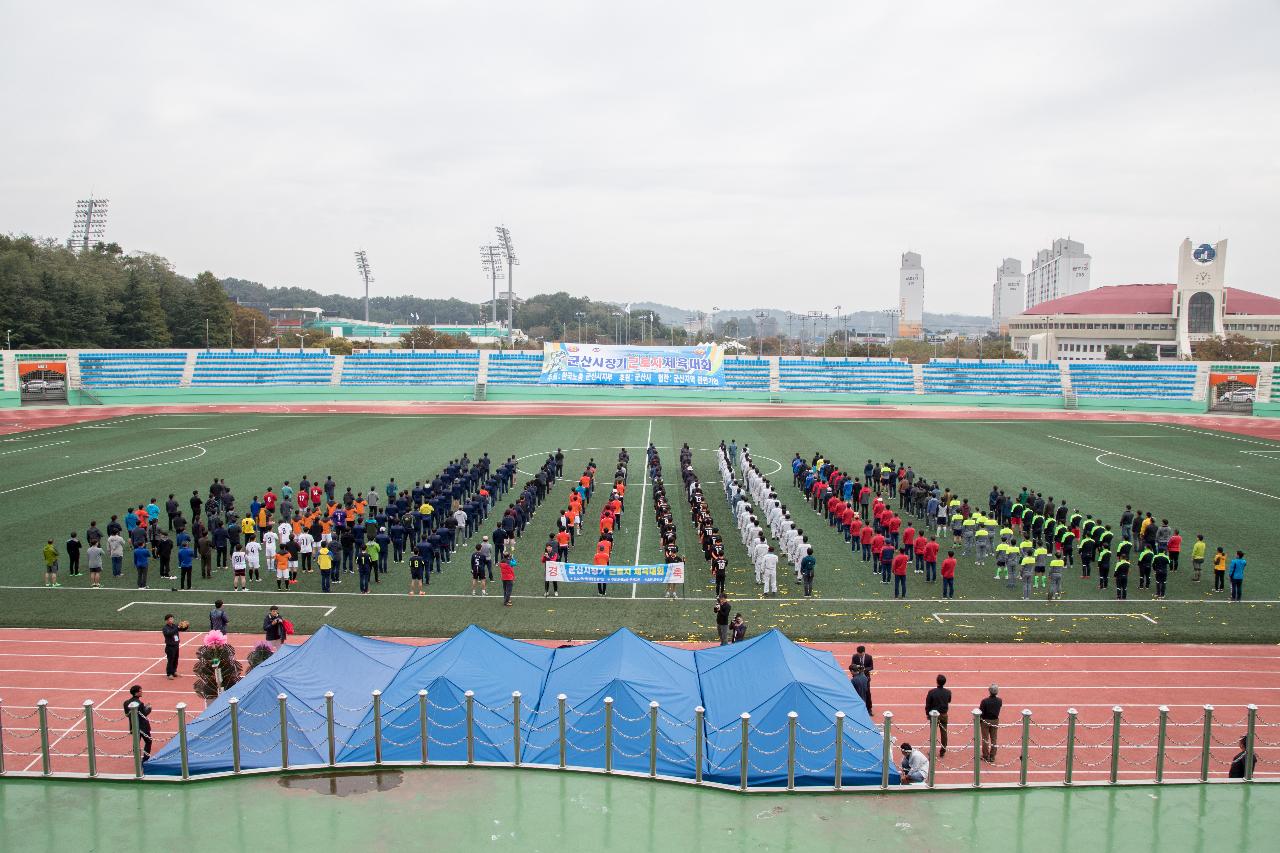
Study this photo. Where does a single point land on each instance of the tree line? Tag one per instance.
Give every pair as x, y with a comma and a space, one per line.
51, 296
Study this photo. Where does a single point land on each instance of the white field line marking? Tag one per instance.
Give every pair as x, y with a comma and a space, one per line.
959, 613
35, 447
1263, 442
644, 506
748, 599
113, 466
171, 428
327, 610
39, 433
1109, 435
1186, 474
105, 702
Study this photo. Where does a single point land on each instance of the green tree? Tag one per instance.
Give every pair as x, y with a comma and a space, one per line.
138, 319
212, 307
422, 337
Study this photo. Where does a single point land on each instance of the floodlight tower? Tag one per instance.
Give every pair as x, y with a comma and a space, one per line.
90, 224
509, 254
491, 262
366, 274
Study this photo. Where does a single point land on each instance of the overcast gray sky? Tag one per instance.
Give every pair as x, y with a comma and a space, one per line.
735, 153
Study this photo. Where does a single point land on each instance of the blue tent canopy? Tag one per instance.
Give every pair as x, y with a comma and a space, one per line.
768, 677
634, 672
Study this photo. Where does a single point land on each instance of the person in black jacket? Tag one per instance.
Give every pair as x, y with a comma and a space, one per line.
1237, 770
939, 699
273, 628
73, 554
144, 719
989, 713
861, 685
171, 629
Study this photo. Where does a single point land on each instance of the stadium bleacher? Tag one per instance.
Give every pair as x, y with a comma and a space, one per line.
106, 369
398, 367
1160, 380
515, 368
263, 367
747, 374
877, 376
958, 376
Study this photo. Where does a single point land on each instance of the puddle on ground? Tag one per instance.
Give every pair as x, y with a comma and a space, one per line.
344, 784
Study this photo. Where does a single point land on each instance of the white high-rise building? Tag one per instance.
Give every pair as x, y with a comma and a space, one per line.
910, 296
1062, 270
1008, 294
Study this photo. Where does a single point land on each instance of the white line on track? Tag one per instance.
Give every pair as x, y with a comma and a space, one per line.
35, 447
644, 491
1186, 474
327, 610
114, 466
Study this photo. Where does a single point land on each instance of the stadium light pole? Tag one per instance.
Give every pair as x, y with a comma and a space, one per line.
509, 253
366, 274
90, 224
491, 262
813, 317
761, 316
579, 315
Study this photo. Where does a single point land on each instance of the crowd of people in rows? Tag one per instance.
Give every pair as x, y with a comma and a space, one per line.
1030, 538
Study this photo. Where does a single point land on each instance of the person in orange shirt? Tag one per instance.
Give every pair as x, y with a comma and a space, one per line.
263, 518
282, 570
602, 559
575, 523
606, 522
563, 540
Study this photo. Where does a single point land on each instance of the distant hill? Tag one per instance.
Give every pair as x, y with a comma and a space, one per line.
861, 321
382, 309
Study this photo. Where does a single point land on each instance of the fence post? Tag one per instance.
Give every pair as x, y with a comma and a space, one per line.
1071, 744
653, 739
792, 716
743, 760
182, 740
608, 734
1115, 742
1, 737
933, 746
1205, 741
1160, 741
886, 751
560, 700
470, 696
977, 748
422, 722
1026, 747
137, 739
515, 727
1248, 743
42, 708
284, 730
328, 728
377, 726
839, 767
697, 743
234, 704
90, 739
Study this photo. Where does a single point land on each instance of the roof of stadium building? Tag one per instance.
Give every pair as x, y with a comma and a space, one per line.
1146, 299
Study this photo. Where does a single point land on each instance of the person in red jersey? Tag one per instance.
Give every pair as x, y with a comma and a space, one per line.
949, 575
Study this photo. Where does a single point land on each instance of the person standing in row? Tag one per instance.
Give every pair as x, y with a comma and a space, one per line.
218, 619
508, 574
722, 611
50, 555
171, 630
939, 699
989, 719
1235, 573
73, 554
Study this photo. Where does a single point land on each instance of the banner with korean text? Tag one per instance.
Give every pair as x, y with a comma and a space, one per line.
699, 366
588, 573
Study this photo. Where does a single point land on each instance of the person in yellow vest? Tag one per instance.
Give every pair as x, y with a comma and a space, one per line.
1197, 557
324, 562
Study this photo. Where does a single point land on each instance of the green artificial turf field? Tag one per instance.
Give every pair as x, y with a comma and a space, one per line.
56, 480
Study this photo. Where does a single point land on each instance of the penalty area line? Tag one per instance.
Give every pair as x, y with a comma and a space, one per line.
938, 617
327, 610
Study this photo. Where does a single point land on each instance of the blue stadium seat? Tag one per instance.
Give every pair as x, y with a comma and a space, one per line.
131, 369
262, 367
1156, 380
406, 367
875, 376
515, 368
747, 374
966, 376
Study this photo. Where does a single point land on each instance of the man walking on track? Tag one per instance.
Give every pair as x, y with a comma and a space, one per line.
939, 699
171, 631
989, 714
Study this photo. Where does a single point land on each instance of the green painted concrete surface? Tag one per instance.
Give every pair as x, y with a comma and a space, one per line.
530, 811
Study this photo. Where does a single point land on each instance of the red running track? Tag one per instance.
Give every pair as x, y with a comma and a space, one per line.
67, 667
21, 420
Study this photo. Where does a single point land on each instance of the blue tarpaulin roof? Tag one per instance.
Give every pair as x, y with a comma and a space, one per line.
768, 677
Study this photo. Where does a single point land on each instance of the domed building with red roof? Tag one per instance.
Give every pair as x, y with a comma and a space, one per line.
1171, 317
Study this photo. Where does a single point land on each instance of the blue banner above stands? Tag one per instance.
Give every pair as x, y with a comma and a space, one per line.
588, 573
674, 367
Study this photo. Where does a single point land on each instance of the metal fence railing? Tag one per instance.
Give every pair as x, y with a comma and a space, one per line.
1118, 750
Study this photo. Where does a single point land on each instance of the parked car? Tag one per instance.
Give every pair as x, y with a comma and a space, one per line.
1244, 394
34, 386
